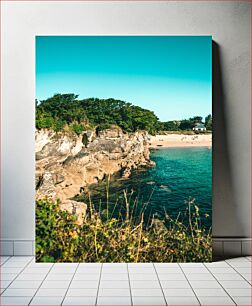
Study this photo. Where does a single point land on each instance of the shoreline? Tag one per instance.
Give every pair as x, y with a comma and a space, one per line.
180, 141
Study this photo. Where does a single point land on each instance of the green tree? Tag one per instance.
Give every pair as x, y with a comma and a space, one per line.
196, 119
171, 126
186, 124
63, 107
59, 110
76, 127
66, 110
44, 120
208, 122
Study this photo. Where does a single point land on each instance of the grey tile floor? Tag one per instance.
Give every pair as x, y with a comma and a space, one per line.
24, 282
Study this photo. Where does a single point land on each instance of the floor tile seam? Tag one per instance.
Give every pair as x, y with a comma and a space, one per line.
221, 285
70, 283
189, 283
159, 281
98, 287
131, 300
42, 281
16, 276
9, 257
237, 272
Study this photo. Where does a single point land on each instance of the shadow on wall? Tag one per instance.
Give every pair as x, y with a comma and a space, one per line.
225, 214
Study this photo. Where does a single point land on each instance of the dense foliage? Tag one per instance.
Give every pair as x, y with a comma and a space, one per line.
61, 110
104, 238
66, 111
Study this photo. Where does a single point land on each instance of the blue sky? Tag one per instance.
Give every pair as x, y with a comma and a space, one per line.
170, 75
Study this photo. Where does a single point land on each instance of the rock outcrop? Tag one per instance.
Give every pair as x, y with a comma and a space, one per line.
66, 164
75, 208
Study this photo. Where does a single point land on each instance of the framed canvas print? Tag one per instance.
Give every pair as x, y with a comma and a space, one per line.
123, 148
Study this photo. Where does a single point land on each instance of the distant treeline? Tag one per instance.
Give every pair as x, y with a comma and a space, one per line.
65, 111
186, 124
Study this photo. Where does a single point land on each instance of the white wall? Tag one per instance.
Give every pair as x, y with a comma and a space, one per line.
227, 22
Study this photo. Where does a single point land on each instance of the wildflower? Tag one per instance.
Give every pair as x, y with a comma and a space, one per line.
73, 234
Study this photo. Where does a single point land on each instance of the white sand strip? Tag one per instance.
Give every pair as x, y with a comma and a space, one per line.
181, 140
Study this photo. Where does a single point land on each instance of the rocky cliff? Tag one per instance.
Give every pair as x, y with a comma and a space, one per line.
66, 164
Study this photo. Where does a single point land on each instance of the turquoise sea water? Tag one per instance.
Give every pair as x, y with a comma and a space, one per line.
180, 174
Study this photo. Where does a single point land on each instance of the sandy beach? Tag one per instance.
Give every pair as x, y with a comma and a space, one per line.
177, 140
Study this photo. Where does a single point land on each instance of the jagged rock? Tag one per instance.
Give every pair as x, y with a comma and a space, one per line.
126, 173
65, 166
49, 143
75, 208
58, 178
42, 137
100, 156
91, 166
48, 150
107, 145
112, 132
152, 163
46, 188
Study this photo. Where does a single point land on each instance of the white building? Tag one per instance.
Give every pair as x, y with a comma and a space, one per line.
199, 127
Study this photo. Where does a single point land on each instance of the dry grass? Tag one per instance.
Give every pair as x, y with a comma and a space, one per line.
104, 238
